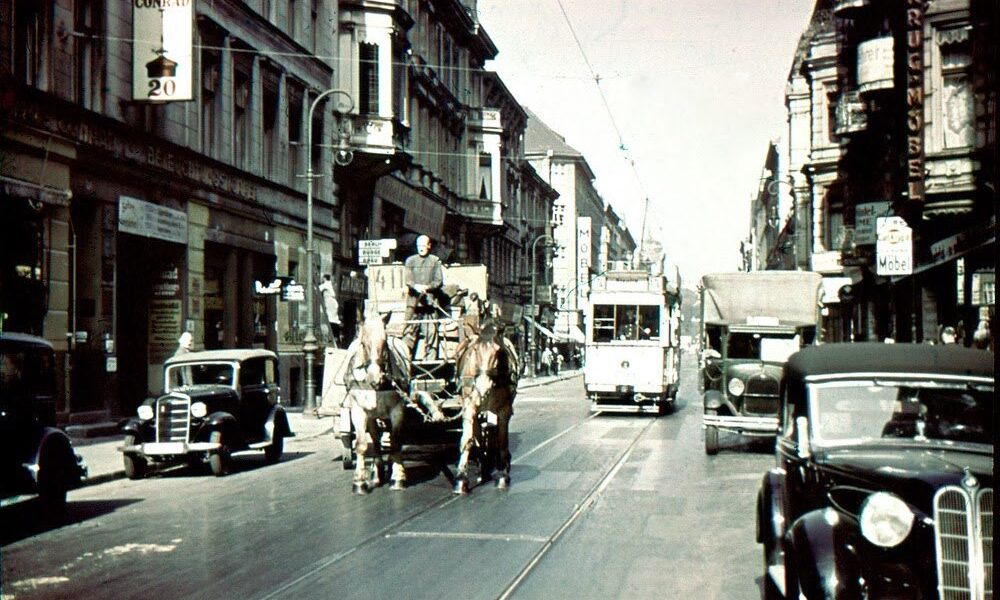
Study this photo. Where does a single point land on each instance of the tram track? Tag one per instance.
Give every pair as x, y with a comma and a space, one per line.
588, 501
397, 526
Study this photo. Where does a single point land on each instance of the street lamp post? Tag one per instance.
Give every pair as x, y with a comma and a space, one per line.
534, 308
309, 346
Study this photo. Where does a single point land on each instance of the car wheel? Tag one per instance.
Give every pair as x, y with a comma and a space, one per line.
135, 465
219, 460
52, 485
711, 437
272, 453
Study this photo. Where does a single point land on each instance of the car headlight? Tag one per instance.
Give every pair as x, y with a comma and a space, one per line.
199, 410
885, 519
736, 386
145, 412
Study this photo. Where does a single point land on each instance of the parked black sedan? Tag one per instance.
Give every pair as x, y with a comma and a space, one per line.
36, 457
883, 486
215, 402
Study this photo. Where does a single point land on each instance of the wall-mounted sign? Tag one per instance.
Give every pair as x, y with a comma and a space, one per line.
139, 217
864, 221
583, 241
894, 247
371, 252
162, 65
915, 99
875, 62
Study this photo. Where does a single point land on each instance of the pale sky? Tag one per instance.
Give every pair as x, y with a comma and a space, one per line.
696, 88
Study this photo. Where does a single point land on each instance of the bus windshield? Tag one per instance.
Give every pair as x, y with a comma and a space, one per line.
626, 322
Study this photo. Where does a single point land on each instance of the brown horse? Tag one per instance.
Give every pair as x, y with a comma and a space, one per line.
487, 372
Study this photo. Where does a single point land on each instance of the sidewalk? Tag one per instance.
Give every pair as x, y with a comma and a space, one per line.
104, 461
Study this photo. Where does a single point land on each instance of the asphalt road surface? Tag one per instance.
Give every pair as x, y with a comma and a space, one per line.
601, 506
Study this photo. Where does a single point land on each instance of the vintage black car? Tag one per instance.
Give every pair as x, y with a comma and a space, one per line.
215, 402
883, 486
37, 457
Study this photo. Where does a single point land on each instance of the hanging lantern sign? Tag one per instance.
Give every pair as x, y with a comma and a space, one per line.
162, 65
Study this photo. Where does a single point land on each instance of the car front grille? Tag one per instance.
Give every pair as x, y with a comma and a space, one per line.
172, 419
761, 395
963, 531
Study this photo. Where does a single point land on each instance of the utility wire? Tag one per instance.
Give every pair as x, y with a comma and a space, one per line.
614, 123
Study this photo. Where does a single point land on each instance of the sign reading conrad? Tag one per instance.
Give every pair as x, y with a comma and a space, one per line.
162, 65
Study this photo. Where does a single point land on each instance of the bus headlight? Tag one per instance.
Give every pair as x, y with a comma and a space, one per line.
885, 519
736, 386
199, 410
145, 412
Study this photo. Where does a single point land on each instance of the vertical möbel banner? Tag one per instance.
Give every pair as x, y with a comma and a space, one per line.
162, 65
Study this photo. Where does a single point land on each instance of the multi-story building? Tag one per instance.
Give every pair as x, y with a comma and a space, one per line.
765, 219
578, 219
892, 112
130, 219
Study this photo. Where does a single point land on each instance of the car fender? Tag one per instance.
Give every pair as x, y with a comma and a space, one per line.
825, 564
770, 509
132, 426
714, 400
56, 441
220, 421
277, 423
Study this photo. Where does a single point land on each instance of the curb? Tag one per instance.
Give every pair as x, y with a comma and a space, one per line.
532, 384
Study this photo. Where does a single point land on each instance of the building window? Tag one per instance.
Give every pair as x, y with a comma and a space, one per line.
242, 93
314, 25
399, 65
295, 137
210, 74
368, 78
89, 56
485, 176
269, 121
30, 28
956, 88
292, 19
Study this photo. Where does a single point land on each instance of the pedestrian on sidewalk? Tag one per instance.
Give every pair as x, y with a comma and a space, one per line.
558, 362
332, 309
546, 361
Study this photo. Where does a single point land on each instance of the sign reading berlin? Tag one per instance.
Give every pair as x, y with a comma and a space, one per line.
162, 65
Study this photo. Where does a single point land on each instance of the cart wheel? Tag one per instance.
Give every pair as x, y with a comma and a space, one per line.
135, 465
711, 437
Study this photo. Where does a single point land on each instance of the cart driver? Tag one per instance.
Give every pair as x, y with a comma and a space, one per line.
423, 276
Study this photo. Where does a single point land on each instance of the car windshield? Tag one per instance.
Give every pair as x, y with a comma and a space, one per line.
769, 347
197, 374
853, 412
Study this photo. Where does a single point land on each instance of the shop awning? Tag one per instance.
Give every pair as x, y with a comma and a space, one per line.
548, 332
41, 193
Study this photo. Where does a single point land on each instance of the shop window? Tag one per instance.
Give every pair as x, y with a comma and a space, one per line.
89, 65
368, 78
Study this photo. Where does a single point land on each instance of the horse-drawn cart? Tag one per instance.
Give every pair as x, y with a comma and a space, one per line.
402, 386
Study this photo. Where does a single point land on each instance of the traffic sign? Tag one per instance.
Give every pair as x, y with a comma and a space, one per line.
893, 246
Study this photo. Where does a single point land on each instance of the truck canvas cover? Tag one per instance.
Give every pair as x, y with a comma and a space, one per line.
791, 296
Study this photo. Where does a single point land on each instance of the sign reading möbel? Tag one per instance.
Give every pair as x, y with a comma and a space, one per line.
893, 246
162, 67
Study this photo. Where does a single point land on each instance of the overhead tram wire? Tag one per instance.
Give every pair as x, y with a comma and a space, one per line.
604, 99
